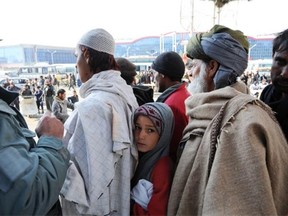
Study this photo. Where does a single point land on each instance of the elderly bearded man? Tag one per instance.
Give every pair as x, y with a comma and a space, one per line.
235, 159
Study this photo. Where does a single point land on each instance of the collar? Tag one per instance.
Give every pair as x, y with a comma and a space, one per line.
4, 107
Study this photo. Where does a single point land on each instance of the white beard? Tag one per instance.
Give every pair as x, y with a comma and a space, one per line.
199, 83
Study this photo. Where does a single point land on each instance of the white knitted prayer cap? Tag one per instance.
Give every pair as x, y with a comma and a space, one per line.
99, 40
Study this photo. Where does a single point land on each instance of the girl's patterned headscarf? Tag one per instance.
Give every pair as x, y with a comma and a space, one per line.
162, 117
153, 114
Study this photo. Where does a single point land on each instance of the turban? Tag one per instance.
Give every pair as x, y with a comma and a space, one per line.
228, 47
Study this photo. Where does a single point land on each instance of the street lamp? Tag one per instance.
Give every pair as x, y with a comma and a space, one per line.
52, 55
249, 52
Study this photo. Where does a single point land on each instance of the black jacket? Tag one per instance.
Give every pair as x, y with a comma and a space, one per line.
279, 105
143, 94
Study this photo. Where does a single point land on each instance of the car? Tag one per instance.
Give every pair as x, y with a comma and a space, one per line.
19, 82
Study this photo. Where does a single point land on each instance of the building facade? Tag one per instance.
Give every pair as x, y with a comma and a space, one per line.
141, 51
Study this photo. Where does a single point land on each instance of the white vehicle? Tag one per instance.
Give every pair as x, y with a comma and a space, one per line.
35, 71
65, 68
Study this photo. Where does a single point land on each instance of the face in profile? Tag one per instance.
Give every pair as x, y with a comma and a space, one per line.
279, 71
159, 80
145, 134
198, 81
62, 96
82, 55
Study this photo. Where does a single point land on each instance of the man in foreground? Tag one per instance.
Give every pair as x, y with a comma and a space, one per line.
31, 175
235, 159
99, 133
276, 94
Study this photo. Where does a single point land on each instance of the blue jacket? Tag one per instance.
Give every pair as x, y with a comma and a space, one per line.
31, 176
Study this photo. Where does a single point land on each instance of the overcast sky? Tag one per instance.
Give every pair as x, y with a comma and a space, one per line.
63, 22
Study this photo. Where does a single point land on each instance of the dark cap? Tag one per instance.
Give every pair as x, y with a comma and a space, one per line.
169, 64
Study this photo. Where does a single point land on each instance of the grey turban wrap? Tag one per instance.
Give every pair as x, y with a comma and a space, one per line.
229, 51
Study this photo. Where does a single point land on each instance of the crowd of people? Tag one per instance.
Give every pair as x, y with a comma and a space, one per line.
208, 147
41, 94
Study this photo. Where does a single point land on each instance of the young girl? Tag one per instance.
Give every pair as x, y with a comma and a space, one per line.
153, 127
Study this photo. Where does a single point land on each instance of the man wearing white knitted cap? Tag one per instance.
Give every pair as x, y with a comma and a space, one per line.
99, 133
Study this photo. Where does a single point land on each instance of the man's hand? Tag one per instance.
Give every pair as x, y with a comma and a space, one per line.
49, 125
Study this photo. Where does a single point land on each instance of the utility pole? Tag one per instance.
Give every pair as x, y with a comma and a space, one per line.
192, 18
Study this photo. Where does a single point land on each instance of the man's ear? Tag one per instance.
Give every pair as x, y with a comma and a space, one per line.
86, 55
212, 67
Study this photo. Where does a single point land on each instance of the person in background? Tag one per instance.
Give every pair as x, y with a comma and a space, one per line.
169, 68
26, 91
255, 89
6, 83
60, 105
49, 94
234, 154
55, 82
41, 82
28, 106
78, 81
153, 127
31, 175
99, 133
263, 84
276, 94
74, 98
34, 83
143, 94
39, 99
71, 81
